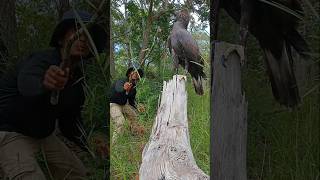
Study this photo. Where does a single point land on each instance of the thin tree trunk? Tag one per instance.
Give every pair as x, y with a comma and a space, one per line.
127, 34
8, 27
146, 34
109, 65
112, 62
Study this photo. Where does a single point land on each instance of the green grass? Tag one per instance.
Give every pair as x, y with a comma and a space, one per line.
282, 143
199, 126
95, 115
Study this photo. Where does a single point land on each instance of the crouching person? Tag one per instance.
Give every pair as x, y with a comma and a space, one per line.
28, 118
123, 103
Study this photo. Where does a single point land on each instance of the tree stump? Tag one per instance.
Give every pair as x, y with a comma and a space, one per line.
228, 115
168, 153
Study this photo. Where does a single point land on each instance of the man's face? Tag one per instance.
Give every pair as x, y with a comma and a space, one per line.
80, 47
134, 77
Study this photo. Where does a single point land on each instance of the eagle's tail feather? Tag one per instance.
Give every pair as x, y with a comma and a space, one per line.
197, 83
282, 77
298, 43
198, 75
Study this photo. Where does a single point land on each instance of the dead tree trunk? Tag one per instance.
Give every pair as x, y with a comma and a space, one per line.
168, 153
229, 115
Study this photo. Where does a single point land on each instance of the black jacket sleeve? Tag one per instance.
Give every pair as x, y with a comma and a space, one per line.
30, 75
118, 87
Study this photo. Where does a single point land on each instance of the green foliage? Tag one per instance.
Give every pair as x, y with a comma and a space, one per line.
199, 125
130, 22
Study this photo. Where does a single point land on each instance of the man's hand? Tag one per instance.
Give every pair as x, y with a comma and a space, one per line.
55, 78
127, 86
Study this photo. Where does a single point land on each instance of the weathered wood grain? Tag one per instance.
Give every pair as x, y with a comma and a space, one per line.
228, 115
168, 153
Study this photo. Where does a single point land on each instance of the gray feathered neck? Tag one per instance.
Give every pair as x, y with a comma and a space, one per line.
182, 19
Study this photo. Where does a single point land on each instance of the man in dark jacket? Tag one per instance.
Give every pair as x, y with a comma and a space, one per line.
123, 102
28, 119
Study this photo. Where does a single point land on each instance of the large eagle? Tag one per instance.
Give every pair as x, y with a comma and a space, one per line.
274, 24
185, 50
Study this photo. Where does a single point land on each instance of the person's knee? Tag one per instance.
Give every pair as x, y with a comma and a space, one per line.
130, 112
117, 116
119, 120
80, 172
25, 171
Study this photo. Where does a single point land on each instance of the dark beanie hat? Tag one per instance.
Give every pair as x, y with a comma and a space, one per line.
140, 71
69, 20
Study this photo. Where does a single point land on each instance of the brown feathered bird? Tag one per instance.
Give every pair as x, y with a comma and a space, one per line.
185, 50
276, 31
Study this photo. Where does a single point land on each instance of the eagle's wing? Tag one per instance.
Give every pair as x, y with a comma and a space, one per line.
185, 46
